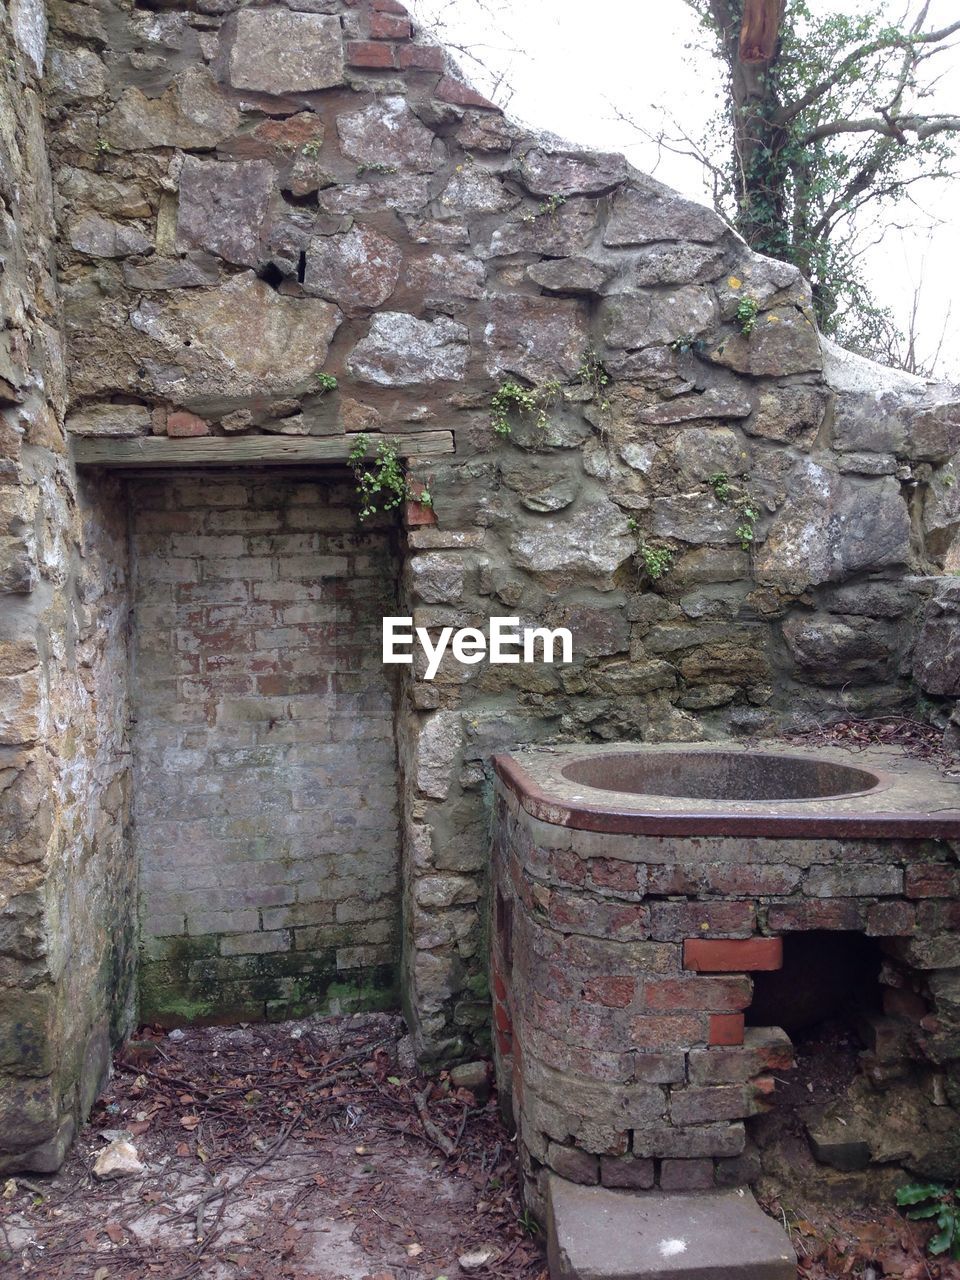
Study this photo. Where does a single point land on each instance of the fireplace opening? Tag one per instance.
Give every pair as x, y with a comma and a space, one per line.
861, 1112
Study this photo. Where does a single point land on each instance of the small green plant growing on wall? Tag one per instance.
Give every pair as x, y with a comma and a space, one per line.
747, 508
511, 398
656, 560
311, 149
594, 376
747, 313
546, 208
382, 484
934, 1202
325, 382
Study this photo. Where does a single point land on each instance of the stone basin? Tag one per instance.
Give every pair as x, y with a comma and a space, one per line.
734, 788
721, 775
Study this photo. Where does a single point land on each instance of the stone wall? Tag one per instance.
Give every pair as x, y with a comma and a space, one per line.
66, 905
247, 199
265, 787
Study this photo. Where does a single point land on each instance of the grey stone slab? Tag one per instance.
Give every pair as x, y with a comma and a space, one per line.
597, 1234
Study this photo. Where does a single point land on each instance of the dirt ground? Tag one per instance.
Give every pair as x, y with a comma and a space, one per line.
294, 1151
312, 1151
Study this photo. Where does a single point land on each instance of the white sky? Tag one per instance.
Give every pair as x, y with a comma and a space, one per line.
572, 67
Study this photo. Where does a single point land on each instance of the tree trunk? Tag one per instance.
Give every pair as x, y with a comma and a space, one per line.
751, 41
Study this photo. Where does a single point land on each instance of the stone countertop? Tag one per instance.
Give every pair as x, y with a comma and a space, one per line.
912, 798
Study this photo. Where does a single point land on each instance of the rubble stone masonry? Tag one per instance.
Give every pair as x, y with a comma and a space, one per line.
204, 207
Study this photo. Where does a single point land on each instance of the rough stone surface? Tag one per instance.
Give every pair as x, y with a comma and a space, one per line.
358, 269
223, 206
241, 339
402, 351
388, 134
275, 51
832, 527
602, 1235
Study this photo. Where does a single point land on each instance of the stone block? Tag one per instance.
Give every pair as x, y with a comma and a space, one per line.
686, 1175
276, 51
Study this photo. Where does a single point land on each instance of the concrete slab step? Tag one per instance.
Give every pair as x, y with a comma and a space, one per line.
597, 1234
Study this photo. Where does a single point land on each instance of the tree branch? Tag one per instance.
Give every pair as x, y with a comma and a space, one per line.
923, 126
789, 111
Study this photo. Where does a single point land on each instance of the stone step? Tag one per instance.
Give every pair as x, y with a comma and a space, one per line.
597, 1234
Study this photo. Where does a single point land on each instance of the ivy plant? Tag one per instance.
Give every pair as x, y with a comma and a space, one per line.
512, 399
382, 483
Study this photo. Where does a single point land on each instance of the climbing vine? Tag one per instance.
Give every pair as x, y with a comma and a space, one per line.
382, 483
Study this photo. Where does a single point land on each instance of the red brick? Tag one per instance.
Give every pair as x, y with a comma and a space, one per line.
384, 26
370, 53
502, 1019
934, 917
608, 873
626, 1173
710, 995
891, 919
499, 987
732, 955
421, 57
182, 424
604, 919
826, 913
615, 993
678, 920
707, 1104
686, 1175
726, 1028
417, 515
389, 6
461, 95
671, 1032
933, 880
749, 880
568, 867
665, 879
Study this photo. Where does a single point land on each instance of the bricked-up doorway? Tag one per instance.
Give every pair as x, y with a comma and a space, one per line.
265, 779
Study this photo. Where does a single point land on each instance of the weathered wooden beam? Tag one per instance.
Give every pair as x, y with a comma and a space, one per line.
262, 450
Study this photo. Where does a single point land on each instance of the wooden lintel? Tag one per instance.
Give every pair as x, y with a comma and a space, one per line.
261, 450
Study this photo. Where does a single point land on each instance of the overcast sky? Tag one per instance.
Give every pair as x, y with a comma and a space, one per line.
574, 68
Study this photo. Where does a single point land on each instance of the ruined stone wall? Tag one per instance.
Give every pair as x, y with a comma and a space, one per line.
66, 902
250, 198
265, 786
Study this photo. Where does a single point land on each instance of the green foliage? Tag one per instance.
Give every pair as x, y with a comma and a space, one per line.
747, 313
311, 149
747, 509
933, 1201
594, 376
382, 484
656, 559
546, 208
325, 382
809, 154
511, 398
378, 167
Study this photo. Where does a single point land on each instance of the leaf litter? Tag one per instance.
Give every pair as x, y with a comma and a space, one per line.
305, 1150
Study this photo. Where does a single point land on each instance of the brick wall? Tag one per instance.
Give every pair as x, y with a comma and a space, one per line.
266, 820
623, 965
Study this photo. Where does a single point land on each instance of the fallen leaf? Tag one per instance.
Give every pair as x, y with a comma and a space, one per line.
414, 1250
189, 1122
